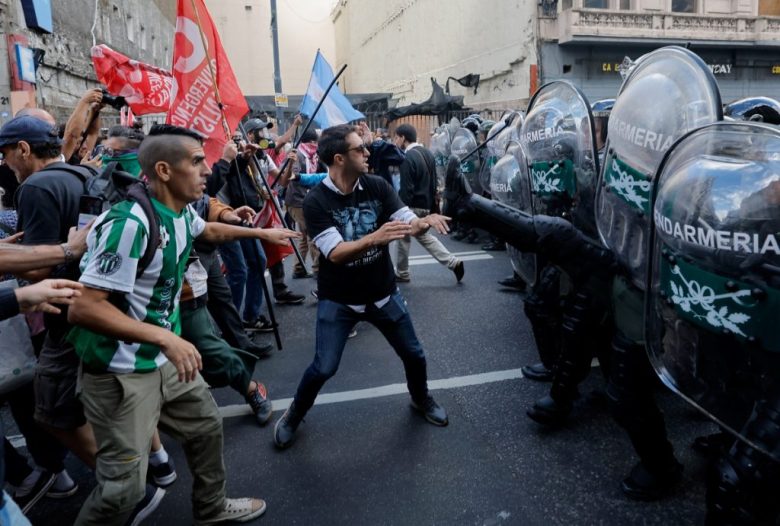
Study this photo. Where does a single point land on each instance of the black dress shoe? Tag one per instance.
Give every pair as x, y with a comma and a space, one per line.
713, 445
537, 372
459, 235
285, 428
459, 271
642, 484
493, 246
259, 350
433, 412
513, 282
548, 412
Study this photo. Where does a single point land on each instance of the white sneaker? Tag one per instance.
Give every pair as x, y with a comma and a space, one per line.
63, 486
237, 510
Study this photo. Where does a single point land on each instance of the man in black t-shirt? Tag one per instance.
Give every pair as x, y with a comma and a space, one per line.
352, 217
47, 203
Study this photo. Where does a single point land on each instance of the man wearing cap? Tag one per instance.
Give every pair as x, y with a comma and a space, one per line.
47, 204
269, 160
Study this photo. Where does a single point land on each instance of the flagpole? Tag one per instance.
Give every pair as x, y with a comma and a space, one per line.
311, 119
226, 129
225, 126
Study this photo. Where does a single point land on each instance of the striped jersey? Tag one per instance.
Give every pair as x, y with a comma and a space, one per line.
114, 247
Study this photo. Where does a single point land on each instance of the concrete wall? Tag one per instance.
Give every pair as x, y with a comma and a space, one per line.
245, 29
397, 45
142, 29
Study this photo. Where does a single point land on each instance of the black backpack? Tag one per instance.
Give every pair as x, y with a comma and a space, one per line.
112, 185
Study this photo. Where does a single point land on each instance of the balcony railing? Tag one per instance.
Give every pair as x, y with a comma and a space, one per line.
596, 24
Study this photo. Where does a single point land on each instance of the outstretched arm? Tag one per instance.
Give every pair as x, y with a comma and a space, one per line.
219, 233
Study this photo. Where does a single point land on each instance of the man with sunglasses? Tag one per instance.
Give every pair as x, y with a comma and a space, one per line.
352, 217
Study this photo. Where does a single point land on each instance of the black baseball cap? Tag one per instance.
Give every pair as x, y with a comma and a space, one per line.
29, 129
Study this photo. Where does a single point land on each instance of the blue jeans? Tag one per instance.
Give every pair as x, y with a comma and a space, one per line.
335, 321
245, 267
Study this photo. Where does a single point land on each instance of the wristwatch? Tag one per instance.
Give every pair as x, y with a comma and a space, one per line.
69, 255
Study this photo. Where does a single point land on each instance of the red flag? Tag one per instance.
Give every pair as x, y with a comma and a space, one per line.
146, 88
195, 104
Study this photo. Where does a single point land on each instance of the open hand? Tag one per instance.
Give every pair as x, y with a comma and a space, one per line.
436, 221
40, 296
391, 231
183, 355
279, 236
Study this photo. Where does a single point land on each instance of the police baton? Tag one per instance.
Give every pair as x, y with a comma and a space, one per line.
507, 122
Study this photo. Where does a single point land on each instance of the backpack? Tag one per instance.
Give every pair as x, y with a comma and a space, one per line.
112, 186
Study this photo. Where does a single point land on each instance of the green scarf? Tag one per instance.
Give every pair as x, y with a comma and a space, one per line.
128, 162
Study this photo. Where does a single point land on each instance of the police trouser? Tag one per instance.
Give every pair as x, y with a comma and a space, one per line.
585, 333
742, 485
632, 381
542, 308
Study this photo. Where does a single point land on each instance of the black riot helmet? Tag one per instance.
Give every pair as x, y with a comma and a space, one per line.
756, 109
601, 110
472, 123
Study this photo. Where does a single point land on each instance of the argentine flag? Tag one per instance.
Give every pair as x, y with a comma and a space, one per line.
336, 109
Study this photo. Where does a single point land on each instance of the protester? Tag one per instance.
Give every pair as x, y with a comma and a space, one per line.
223, 365
137, 372
418, 192
352, 218
304, 160
258, 131
47, 207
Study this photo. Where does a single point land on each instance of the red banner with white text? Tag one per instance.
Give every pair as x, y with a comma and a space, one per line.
146, 88
200, 63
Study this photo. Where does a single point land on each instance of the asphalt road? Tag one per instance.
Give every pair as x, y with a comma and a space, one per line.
365, 458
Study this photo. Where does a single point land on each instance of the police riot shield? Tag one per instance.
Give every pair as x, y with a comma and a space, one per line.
510, 184
440, 148
463, 143
501, 135
559, 140
713, 301
668, 93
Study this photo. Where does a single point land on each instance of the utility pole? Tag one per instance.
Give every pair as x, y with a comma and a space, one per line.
277, 71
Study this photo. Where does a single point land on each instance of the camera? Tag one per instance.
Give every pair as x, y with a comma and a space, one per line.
115, 102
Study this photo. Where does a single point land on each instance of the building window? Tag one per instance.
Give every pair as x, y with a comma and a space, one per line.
625, 5
683, 6
130, 29
595, 4
768, 7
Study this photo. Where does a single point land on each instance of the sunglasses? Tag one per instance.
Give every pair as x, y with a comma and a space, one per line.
362, 148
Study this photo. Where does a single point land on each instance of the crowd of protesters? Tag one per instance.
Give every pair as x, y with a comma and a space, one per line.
135, 308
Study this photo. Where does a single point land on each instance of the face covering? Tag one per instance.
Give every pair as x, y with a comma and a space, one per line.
128, 162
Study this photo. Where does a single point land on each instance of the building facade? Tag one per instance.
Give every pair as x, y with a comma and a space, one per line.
585, 40
397, 46
515, 46
245, 28
48, 44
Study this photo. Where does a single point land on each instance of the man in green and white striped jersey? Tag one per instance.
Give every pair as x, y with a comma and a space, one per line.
138, 373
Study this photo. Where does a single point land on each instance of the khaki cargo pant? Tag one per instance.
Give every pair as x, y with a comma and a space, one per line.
124, 410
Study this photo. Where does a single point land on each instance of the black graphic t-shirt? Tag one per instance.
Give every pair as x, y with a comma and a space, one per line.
370, 277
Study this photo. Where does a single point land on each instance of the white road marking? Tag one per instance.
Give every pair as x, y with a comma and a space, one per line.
430, 261
427, 259
385, 390
456, 254
230, 411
